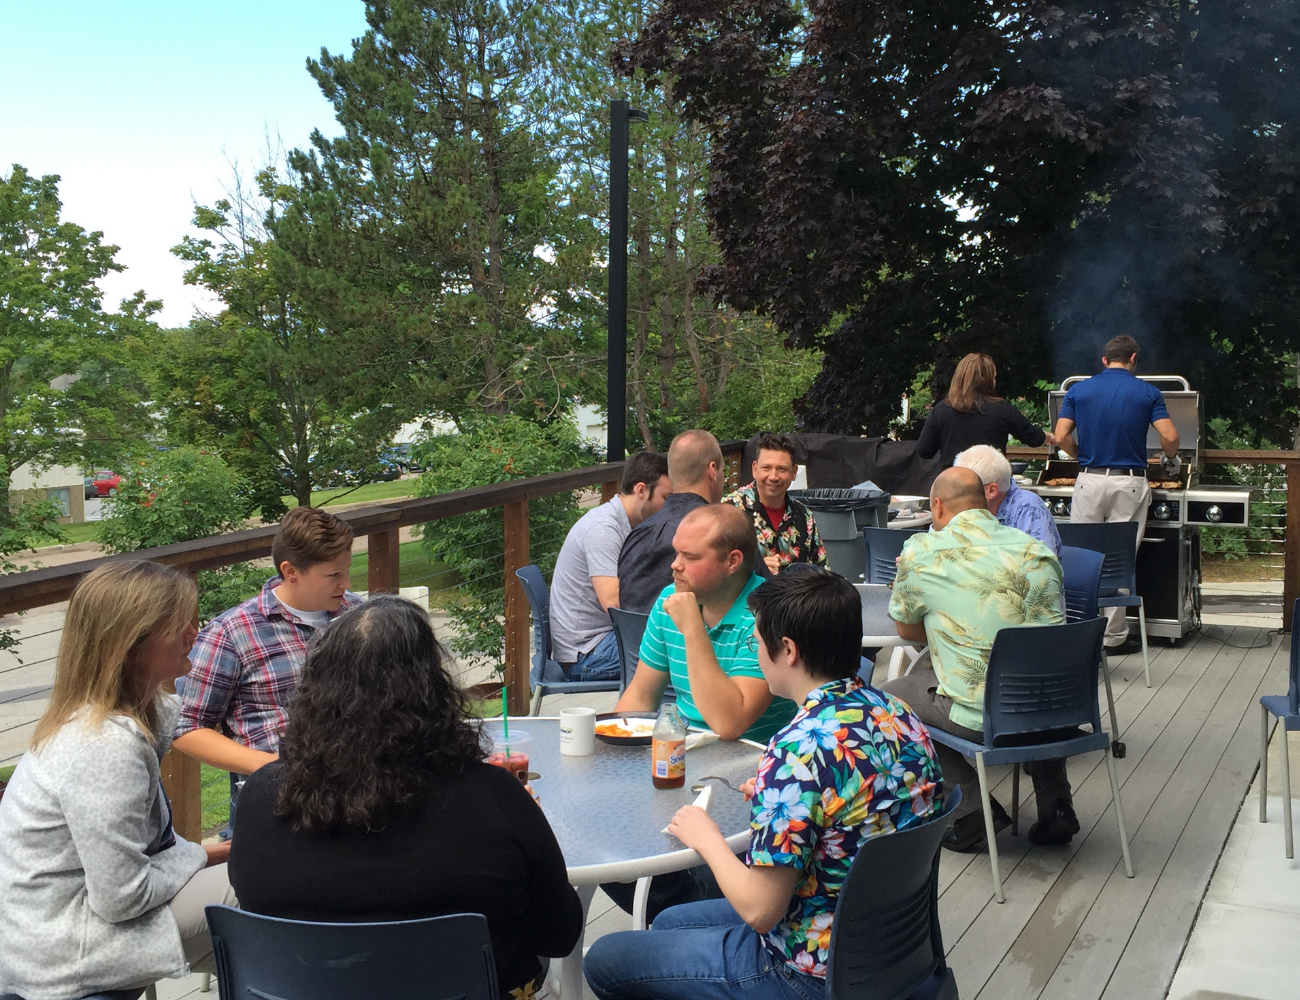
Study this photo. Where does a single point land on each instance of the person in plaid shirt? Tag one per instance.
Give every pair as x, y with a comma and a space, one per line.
784, 527
246, 663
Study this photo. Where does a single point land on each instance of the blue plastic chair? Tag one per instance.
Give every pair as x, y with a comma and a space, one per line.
110, 995
1117, 542
547, 676
437, 958
884, 546
1287, 709
630, 627
1041, 681
1081, 569
885, 938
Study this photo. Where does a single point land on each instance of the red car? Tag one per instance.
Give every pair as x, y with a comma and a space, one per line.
105, 482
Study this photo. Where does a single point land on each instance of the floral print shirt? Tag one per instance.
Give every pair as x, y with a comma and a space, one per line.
794, 540
852, 764
965, 583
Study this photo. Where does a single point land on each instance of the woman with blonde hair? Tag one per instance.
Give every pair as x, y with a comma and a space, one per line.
98, 891
974, 414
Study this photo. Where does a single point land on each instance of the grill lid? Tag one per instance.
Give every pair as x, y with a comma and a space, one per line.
1183, 403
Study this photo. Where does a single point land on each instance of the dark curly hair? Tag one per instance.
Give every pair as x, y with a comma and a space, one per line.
375, 717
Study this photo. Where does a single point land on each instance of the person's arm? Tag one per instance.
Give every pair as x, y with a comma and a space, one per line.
1168, 435
930, 441
913, 632
217, 750
1024, 430
107, 793
729, 705
644, 691
606, 588
906, 604
816, 548
1064, 434
760, 894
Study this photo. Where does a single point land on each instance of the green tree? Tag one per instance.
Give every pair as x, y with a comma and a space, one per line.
175, 496
492, 449
292, 401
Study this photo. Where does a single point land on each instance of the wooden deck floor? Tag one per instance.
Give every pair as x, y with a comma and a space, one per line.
1073, 927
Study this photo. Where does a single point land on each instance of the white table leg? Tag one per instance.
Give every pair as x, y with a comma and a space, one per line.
895, 664
641, 903
570, 978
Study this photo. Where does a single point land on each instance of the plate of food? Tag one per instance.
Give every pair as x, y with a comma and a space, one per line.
626, 729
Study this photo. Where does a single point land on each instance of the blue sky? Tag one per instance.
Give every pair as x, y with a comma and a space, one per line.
142, 107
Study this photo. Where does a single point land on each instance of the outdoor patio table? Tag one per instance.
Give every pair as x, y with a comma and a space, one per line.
608, 817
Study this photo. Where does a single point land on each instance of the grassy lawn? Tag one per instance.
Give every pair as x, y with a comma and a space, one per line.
417, 570
372, 491
1216, 569
7, 770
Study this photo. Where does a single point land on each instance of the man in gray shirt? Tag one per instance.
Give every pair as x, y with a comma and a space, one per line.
585, 583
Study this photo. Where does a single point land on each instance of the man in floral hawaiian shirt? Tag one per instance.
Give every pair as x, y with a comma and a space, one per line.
784, 527
854, 763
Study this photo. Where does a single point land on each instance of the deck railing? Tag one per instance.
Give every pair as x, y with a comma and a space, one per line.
382, 523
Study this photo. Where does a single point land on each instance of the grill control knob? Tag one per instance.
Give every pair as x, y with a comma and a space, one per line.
1163, 512
1214, 513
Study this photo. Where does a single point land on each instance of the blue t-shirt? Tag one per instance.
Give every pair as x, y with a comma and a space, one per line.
1111, 413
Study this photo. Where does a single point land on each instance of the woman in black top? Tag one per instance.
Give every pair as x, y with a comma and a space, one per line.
381, 807
973, 415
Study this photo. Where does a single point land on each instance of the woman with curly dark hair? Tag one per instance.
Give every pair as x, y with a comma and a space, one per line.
382, 808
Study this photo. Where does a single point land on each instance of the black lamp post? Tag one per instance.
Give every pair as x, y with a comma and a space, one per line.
620, 115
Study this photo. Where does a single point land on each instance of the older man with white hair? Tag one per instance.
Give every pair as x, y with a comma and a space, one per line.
1013, 507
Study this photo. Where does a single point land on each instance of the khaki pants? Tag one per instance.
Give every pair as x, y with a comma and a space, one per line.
1100, 498
209, 887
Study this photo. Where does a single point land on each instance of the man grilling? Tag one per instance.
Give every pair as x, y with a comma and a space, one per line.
1109, 414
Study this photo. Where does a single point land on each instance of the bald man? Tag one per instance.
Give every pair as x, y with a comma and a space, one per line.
946, 594
696, 471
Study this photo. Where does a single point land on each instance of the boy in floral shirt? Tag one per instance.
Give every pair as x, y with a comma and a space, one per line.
852, 764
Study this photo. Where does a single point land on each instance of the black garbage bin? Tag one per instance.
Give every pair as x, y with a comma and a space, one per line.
841, 515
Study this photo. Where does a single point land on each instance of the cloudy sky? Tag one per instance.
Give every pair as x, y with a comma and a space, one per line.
142, 107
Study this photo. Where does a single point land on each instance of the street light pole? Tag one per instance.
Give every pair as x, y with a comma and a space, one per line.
620, 115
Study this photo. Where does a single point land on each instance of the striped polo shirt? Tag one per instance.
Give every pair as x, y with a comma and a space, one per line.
664, 648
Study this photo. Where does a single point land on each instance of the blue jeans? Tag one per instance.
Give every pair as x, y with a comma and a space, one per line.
698, 951
601, 664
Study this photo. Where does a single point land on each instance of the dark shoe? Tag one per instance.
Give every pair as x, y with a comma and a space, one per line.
967, 834
1131, 645
1057, 826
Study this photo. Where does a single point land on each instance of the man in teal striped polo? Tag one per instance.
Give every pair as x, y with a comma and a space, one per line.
701, 633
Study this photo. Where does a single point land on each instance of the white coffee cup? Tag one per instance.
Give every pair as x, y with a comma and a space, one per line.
577, 731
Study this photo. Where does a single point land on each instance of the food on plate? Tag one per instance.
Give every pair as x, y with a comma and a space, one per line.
626, 728
1166, 484
1059, 482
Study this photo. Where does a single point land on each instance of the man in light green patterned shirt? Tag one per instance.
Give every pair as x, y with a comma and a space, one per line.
957, 585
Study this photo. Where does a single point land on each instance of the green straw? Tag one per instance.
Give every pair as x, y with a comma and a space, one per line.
505, 721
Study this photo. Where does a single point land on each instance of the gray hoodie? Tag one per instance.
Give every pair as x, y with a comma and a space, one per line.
84, 880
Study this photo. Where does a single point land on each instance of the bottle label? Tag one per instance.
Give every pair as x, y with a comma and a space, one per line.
669, 758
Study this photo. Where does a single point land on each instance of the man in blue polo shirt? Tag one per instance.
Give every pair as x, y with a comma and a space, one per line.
1110, 413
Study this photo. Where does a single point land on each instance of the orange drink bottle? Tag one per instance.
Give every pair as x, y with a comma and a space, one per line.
668, 749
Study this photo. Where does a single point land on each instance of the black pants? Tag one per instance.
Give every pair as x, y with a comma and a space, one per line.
673, 889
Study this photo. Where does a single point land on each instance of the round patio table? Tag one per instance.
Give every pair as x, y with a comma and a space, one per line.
609, 818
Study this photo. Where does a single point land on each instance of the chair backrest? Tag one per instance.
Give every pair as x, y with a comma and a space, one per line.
875, 609
539, 599
438, 958
1293, 689
1081, 569
629, 626
1116, 541
884, 546
1042, 677
885, 939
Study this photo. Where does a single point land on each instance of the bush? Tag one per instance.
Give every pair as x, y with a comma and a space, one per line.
494, 450
760, 397
177, 496
21, 527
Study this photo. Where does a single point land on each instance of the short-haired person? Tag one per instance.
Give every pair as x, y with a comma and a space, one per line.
816, 799
1110, 413
1012, 506
246, 663
414, 823
957, 585
97, 891
784, 527
645, 563
585, 583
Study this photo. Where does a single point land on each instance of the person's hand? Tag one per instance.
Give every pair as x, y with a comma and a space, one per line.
529, 789
218, 854
694, 827
1049, 439
684, 610
773, 564
747, 788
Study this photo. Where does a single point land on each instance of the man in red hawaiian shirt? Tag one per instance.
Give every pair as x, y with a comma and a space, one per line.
784, 527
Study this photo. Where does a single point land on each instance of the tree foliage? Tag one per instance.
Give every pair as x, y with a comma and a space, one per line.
906, 183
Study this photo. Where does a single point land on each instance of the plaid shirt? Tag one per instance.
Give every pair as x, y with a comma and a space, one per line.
794, 540
243, 668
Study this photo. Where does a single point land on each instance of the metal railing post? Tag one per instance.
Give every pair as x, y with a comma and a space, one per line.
517, 614
1291, 542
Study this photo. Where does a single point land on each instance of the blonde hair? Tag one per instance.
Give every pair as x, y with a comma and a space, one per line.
973, 383
113, 610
